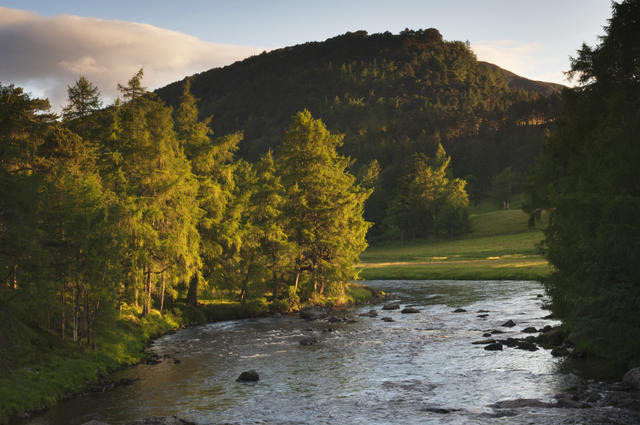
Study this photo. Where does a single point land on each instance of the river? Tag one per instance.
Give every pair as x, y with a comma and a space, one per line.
419, 369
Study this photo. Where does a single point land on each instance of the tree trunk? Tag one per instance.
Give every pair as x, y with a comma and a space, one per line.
295, 286
14, 275
146, 305
76, 313
162, 295
192, 293
274, 285
62, 318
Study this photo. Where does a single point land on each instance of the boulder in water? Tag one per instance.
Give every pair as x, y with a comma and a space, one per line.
313, 313
484, 342
248, 376
459, 310
370, 313
509, 324
391, 306
410, 310
168, 420
309, 340
520, 403
559, 352
496, 346
529, 330
632, 378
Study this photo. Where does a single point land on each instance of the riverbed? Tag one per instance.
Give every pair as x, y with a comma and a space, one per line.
420, 368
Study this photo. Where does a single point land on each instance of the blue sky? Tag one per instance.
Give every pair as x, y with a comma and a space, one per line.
533, 39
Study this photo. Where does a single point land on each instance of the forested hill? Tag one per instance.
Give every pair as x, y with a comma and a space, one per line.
391, 95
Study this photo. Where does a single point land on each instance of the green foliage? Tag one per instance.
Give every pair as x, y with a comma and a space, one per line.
587, 176
429, 203
84, 100
324, 205
391, 96
504, 185
109, 218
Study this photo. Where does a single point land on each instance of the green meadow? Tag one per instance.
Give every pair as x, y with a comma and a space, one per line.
500, 246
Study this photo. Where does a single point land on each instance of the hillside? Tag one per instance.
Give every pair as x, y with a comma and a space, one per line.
391, 95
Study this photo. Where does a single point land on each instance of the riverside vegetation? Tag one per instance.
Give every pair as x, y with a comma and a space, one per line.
115, 222
123, 222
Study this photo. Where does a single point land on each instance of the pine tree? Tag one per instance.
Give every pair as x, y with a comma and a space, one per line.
428, 201
324, 206
158, 194
134, 89
269, 202
84, 99
211, 162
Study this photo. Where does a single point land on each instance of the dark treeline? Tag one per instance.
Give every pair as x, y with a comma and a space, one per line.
588, 177
392, 95
134, 206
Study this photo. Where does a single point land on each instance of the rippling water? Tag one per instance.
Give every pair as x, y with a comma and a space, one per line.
367, 372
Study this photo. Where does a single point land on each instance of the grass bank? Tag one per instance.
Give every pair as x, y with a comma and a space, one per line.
500, 246
57, 369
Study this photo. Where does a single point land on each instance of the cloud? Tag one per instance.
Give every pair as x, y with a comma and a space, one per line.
46, 54
525, 59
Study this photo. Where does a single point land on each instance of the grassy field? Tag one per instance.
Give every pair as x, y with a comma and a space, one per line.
499, 246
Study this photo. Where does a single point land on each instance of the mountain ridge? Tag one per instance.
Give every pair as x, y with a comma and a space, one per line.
392, 95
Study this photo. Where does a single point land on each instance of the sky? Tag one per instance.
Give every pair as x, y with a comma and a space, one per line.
47, 45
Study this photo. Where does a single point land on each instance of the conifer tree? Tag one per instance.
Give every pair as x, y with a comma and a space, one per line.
211, 162
84, 99
270, 221
159, 194
428, 201
324, 205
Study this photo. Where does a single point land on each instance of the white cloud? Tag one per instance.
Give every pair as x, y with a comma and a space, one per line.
45, 54
516, 57
525, 59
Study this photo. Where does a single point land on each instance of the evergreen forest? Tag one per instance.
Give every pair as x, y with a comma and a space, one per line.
392, 96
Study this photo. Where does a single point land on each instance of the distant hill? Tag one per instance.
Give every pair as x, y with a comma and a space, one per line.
517, 82
391, 95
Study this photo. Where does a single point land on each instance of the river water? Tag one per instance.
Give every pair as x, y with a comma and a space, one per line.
419, 369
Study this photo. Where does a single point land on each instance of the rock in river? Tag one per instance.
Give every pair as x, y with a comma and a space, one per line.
313, 313
509, 324
309, 340
632, 378
496, 346
529, 330
370, 313
391, 306
410, 310
520, 403
168, 420
248, 376
484, 342
459, 310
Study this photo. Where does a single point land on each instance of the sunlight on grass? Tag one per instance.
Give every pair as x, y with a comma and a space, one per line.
500, 246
